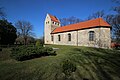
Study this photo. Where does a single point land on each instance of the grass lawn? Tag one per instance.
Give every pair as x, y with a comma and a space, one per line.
91, 64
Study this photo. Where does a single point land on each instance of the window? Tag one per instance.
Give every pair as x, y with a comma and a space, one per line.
69, 37
91, 35
53, 22
58, 37
48, 22
58, 23
51, 38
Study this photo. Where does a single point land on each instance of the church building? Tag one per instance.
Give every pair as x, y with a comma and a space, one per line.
91, 33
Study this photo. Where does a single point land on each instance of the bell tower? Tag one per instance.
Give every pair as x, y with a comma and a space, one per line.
51, 23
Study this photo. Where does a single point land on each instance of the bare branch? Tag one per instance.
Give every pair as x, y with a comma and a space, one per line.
70, 20
116, 1
2, 13
97, 14
24, 29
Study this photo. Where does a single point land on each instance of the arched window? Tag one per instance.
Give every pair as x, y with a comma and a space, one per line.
59, 38
52, 38
91, 35
55, 23
69, 37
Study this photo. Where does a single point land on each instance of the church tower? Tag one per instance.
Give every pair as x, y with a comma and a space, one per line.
51, 22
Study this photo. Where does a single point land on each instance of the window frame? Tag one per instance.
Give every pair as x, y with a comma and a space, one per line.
52, 38
69, 37
59, 38
91, 35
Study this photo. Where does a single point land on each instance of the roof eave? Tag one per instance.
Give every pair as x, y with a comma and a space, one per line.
81, 29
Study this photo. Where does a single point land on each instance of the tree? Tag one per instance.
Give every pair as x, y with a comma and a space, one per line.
37, 43
42, 40
70, 20
97, 14
7, 32
114, 20
24, 29
30, 40
2, 13
116, 28
116, 1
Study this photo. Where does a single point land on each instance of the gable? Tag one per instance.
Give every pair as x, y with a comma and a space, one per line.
53, 18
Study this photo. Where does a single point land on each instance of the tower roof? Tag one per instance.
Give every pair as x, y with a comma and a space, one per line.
82, 25
53, 18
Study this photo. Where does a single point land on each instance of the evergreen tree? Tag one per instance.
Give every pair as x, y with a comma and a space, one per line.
7, 33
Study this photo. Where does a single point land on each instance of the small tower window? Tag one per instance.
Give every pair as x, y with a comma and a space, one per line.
58, 23
91, 35
59, 38
48, 22
52, 38
53, 22
69, 37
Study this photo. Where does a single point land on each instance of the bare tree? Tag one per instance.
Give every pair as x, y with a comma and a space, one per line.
2, 13
116, 1
70, 20
114, 20
64, 21
24, 29
116, 27
97, 14
116, 9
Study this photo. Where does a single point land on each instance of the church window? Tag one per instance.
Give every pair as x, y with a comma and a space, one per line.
48, 22
51, 38
91, 35
69, 37
59, 38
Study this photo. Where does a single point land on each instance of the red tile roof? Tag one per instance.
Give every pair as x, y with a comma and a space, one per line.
82, 25
53, 18
113, 45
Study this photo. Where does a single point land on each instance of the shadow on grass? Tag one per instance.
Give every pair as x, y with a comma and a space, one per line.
104, 63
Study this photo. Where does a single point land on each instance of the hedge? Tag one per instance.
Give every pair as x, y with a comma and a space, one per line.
25, 53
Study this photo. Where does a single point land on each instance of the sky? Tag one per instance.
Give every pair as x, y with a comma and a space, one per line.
35, 11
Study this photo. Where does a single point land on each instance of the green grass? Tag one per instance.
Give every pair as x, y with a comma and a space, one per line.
91, 63
5, 54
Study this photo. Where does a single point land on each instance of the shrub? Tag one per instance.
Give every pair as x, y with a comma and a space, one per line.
68, 67
0, 49
50, 51
38, 43
24, 53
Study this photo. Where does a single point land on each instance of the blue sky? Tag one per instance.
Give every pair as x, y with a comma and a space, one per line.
35, 11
